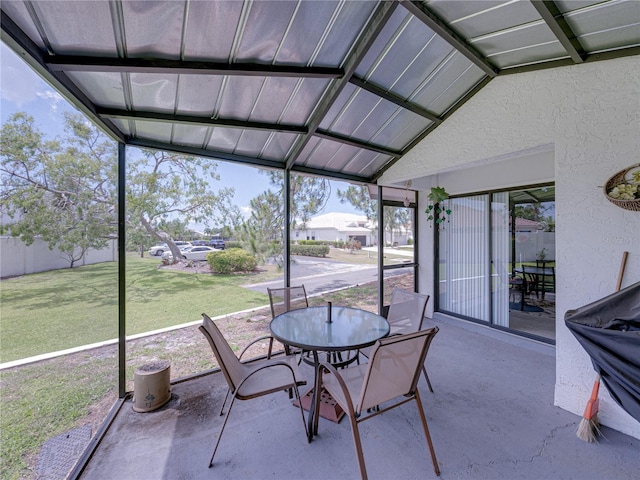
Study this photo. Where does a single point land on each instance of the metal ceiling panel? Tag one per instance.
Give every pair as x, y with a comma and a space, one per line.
277, 146
152, 28
605, 26
331, 156
483, 17
524, 44
287, 100
210, 30
239, 96
224, 139
154, 92
405, 52
198, 94
447, 84
265, 27
105, 90
362, 116
19, 14
251, 143
336, 87
346, 24
190, 135
401, 129
65, 25
161, 132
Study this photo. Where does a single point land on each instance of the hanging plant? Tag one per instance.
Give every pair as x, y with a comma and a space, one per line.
435, 210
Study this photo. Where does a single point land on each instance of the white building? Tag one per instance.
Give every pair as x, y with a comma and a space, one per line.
337, 226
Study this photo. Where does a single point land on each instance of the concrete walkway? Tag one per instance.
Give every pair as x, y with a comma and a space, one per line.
491, 417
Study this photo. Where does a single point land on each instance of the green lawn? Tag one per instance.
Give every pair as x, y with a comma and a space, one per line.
61, 309
45, 399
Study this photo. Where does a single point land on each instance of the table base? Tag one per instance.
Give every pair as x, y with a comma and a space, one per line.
329, 408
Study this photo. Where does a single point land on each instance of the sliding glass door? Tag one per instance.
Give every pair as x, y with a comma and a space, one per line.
495, 260
464, 264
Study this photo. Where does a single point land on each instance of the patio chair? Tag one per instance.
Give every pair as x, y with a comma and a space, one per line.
286, 299
388, 380
405, 315
250, 380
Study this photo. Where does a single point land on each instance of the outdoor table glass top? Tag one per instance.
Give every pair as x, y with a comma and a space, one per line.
350, 328
535, 270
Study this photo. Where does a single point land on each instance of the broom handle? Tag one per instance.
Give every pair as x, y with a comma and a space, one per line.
622, 267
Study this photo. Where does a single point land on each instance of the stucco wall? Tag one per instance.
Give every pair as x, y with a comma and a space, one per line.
589, 116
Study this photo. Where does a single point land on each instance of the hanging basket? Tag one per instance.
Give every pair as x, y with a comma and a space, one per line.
617, 179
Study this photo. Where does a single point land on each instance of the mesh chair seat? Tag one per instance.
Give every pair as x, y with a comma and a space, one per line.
389, 380
250, 380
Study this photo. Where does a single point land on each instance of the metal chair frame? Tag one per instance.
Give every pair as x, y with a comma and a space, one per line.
250, 380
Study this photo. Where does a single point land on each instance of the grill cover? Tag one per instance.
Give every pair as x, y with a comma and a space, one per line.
609, 330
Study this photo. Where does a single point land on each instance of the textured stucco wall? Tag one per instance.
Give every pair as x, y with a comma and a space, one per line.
590, 115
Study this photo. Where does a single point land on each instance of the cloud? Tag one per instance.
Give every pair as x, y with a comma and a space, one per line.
246, 211
52, 97
20, 85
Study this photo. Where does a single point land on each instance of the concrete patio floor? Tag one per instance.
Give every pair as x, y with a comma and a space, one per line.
491, 417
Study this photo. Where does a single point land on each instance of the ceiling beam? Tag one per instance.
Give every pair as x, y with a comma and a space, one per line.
199, 120
393, 98
560, 28
302, 169
567, 62
358, 51
245, 160
431, 20
203, 152
181, 67
479, 86
334, 137
31, 53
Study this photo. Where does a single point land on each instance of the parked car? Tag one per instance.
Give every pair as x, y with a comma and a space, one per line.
217, 243
158, 250
183, 248
199, 243
197, 253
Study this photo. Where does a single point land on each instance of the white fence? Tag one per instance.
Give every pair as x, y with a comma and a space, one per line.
18, 259
530, 244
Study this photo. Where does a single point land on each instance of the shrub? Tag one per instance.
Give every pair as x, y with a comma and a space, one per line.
229, 244
317, 242
310, 250
231, 260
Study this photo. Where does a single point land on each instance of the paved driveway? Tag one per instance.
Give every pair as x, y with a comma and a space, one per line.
320, 275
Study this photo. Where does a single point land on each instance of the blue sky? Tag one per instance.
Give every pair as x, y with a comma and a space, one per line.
23, 90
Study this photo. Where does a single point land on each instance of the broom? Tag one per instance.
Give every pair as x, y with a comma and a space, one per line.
589, 427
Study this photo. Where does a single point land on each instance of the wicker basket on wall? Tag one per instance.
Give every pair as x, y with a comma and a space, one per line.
616, 179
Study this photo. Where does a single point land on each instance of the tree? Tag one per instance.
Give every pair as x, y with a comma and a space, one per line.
263, 232
63, 191
66, 191
358, 197
164, 186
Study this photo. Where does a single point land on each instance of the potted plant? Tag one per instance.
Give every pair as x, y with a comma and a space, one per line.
435, 210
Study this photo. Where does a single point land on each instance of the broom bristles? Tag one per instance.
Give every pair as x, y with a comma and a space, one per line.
589, 429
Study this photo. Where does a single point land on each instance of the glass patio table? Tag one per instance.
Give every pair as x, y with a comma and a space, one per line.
327, 329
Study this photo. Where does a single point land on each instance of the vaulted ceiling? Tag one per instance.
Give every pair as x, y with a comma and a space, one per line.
334, 88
